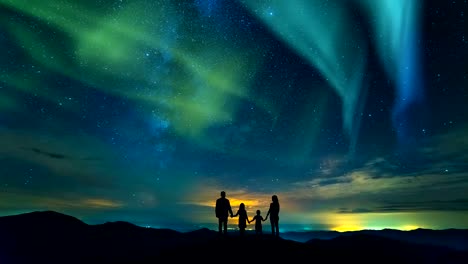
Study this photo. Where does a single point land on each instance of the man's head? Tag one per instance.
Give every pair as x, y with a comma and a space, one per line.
223, 194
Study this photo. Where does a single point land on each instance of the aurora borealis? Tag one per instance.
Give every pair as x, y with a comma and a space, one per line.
352, 112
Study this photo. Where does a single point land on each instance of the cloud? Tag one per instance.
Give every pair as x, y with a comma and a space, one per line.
25, 154
438, 205
362, 187
434, 178
49, 154
408, 206
100, 203
56, 155
385, 184
22, 200
355, 210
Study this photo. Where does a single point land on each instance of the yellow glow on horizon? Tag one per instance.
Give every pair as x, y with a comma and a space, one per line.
344, 222
346, 228
409, 227
250, 205
404, 221
295, 217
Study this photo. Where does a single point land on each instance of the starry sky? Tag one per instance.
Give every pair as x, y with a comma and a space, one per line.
352, 112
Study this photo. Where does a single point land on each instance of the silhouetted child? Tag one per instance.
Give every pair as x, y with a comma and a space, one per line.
243, 218
258, 223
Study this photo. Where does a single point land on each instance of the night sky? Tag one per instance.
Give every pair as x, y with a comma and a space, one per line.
354, 113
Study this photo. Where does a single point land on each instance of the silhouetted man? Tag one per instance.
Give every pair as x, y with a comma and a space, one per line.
223, 209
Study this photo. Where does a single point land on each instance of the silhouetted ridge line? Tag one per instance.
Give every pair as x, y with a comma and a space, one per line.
42, 219
64, 239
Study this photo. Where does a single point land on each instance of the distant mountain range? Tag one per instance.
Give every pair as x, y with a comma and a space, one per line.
453, 238
51, 237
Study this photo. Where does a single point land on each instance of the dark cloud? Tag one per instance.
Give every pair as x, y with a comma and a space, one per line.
422, 206
49, 154
356, 210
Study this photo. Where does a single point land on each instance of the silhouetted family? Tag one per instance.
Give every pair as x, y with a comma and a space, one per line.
223, 211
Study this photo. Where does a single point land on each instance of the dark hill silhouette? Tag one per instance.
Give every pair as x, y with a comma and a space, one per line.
42, 218
453, 238
393, 251
51, 237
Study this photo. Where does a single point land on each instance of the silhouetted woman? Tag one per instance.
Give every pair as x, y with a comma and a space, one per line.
243, 218
273, 212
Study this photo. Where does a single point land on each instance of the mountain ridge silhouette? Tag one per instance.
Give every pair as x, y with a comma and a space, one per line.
52, 237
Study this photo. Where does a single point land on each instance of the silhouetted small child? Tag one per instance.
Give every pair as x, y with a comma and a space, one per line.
258, 223
243, 218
